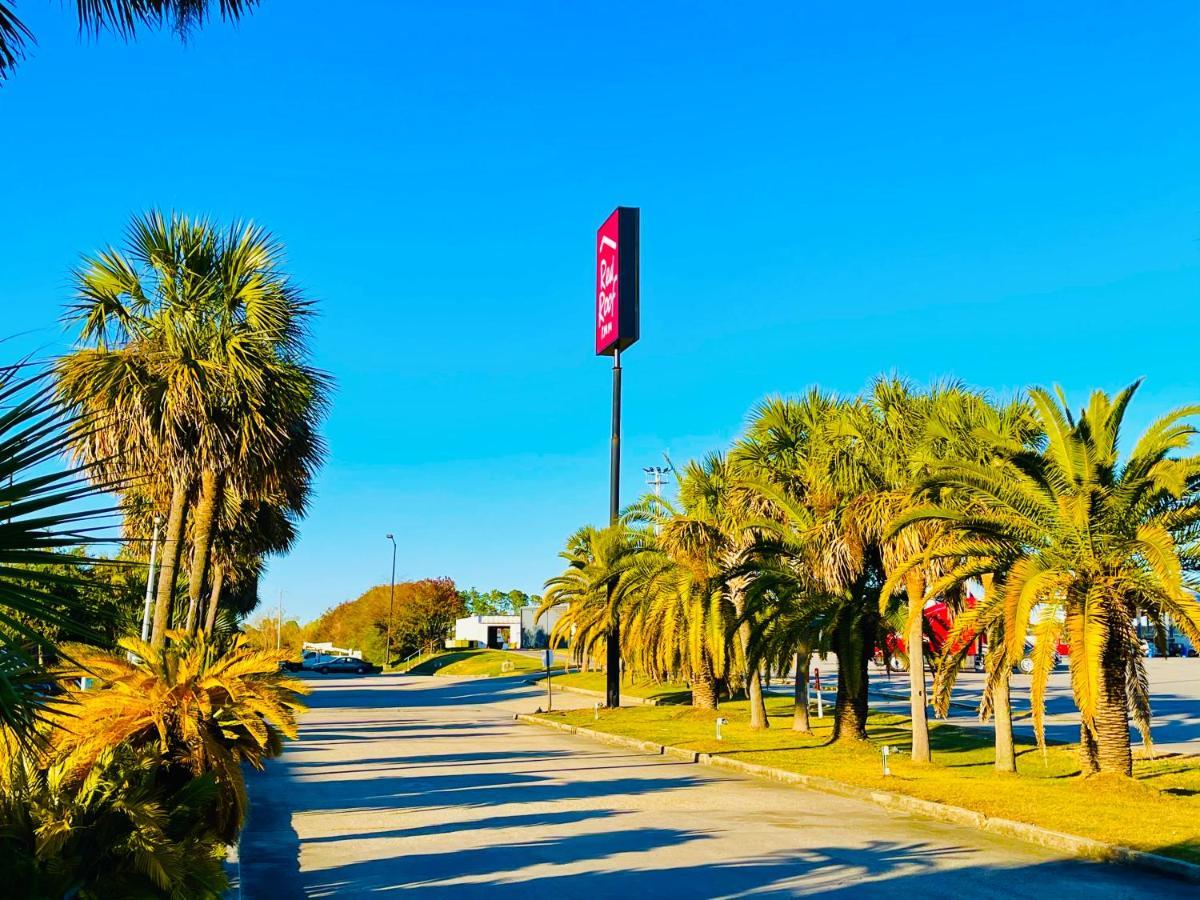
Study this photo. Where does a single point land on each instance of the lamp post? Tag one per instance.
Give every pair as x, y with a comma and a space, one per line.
150, 581
387, 648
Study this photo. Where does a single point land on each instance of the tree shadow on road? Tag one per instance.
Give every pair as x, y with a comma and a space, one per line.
874, 869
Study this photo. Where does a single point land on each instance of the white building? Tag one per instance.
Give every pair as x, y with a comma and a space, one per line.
520, 631
496, 632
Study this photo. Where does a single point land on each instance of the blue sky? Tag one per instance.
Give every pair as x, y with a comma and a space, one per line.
1006, 195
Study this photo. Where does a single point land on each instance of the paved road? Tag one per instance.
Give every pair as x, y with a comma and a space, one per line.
428, 786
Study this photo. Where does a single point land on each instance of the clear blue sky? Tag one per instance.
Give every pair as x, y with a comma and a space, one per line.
1007, 195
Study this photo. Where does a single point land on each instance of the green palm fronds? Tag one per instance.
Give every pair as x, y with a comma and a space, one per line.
43, 511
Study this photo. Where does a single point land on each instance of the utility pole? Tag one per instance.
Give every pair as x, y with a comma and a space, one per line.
654, 478
279, 623
387, 651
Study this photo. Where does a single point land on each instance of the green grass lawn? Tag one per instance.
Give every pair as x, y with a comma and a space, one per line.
1159, 811
479, 663
663, 692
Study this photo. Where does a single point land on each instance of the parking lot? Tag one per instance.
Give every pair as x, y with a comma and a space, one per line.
1174, 684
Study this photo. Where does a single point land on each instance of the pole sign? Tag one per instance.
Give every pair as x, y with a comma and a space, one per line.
617, 281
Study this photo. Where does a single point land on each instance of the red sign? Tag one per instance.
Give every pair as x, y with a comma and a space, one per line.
617, 281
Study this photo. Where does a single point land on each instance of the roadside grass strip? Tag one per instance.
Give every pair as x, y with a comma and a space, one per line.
481, 664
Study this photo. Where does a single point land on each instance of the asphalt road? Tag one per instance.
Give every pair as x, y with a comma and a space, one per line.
428, 786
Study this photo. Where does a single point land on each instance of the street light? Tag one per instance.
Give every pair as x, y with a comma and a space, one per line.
387, 651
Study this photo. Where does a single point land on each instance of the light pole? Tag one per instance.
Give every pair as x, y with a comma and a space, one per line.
654, 478
150, 581
387, 651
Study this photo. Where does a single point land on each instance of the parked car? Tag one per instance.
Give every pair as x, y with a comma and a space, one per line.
344, 664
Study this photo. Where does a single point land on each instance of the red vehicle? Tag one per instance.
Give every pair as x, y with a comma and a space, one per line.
939, 621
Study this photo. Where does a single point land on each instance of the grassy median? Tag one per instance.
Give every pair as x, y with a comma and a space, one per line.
1159, 811
660, 691
480, 664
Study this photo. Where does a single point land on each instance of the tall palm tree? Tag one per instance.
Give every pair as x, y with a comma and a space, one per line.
713, 536
807, 456
192, 352
137, 373
595, 585
967, 425
1093, 537
125, 18
259, 422
257, 529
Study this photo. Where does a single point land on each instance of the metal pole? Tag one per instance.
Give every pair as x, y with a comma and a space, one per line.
387, 650
279, 623
613, 654
150, 581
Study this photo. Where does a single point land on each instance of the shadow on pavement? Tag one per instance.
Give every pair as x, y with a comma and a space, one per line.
876, 869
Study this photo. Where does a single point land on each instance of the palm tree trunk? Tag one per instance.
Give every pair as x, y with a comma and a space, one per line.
206, 511
172, 547
914, 586
754, 691
1114, 753
853, 648
214, 600
704, 685
802, 659
1089, 759
1006, 753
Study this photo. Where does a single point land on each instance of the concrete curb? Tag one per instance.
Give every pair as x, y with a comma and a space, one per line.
955, 815
599, 695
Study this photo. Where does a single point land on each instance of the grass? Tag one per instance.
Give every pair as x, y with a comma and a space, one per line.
479, 663
663, 692
1158, 811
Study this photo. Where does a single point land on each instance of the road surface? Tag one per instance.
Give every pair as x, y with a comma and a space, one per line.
427, 786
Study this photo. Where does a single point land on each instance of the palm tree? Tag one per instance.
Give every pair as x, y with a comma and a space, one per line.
193, 352
1087, 538
713, 536
122, 17
791, 618
205, 711
806, 454
42, 512
677, 626
137, 373
966, 425
115, 833
259, 421
595, 585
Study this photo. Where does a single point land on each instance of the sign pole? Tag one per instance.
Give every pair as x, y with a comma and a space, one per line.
618, 287
613, 641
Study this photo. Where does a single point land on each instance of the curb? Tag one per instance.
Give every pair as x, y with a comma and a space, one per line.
1087, 848
599, 695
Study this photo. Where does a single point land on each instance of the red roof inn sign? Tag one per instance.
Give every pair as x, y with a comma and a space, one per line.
617, 281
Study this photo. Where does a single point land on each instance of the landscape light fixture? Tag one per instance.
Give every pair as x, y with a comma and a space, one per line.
721, 721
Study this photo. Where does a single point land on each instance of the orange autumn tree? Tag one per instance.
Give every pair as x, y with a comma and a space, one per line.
423, 615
